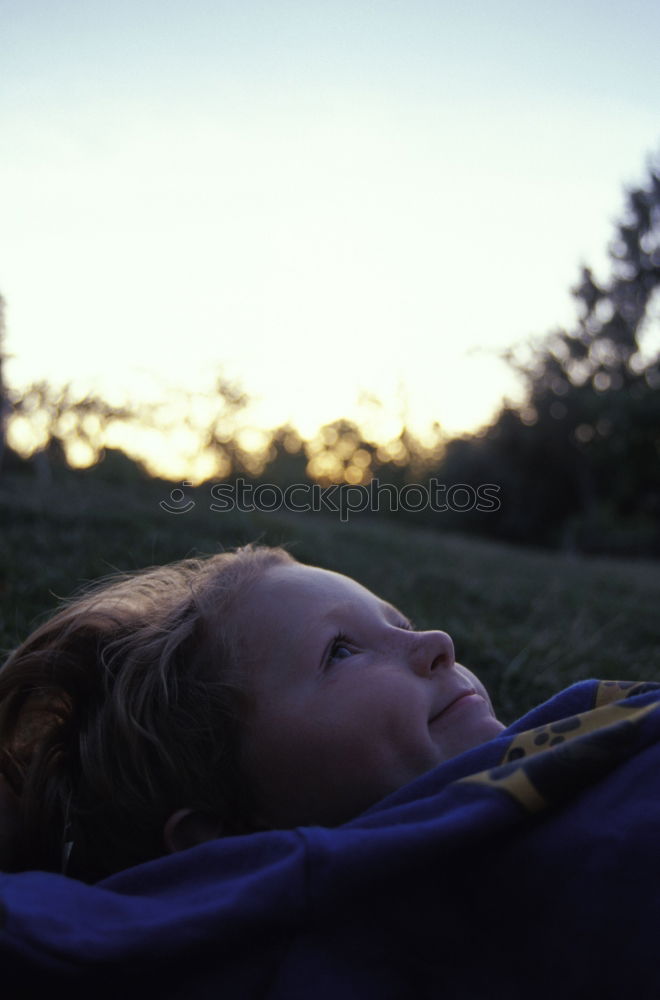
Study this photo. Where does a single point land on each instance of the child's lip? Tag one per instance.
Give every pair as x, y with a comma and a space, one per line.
453, 701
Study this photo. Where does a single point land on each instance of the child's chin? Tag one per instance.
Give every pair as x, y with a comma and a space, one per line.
481, 731
495, 727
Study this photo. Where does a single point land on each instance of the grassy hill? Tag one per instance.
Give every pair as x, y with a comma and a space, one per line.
528, 622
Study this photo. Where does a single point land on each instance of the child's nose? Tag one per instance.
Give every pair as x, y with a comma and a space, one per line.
430, 651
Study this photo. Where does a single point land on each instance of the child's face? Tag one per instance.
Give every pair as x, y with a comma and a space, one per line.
349, 702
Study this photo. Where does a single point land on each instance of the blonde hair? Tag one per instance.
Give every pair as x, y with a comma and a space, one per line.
126, 706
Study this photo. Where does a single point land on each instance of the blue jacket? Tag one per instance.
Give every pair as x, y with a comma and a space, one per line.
527, 867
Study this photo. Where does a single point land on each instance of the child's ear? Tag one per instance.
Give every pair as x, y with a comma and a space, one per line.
188, 827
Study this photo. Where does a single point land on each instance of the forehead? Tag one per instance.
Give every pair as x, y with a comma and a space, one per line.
288, 600
294, 585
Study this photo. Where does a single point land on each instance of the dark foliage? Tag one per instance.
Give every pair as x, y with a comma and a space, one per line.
579, 462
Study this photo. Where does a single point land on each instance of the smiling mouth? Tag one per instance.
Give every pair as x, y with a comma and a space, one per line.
455, 701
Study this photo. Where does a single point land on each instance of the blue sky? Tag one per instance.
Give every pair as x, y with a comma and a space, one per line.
323, 198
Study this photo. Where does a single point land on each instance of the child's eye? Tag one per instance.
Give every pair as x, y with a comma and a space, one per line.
340, 649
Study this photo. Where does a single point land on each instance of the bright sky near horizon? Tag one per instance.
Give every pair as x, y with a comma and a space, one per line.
323, 198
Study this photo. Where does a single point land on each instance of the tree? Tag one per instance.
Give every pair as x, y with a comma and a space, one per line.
581, 455
4, 401
63, 421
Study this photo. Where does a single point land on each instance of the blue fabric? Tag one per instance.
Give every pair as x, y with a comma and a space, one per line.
528, 867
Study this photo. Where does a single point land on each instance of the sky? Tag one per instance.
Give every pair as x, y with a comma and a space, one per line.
325, 201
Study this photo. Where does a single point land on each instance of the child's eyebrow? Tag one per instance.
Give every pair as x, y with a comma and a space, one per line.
392, 614
396, 616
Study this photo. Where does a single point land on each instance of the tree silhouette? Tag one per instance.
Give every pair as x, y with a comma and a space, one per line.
579, 461
4, 402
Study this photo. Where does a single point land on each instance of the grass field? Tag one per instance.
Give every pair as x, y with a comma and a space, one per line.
528, 622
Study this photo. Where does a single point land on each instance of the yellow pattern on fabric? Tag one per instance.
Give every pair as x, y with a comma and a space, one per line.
516, 783
544, 738
563, 754
609, 691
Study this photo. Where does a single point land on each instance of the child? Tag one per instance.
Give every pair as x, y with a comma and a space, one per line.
360, 824
175, 705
